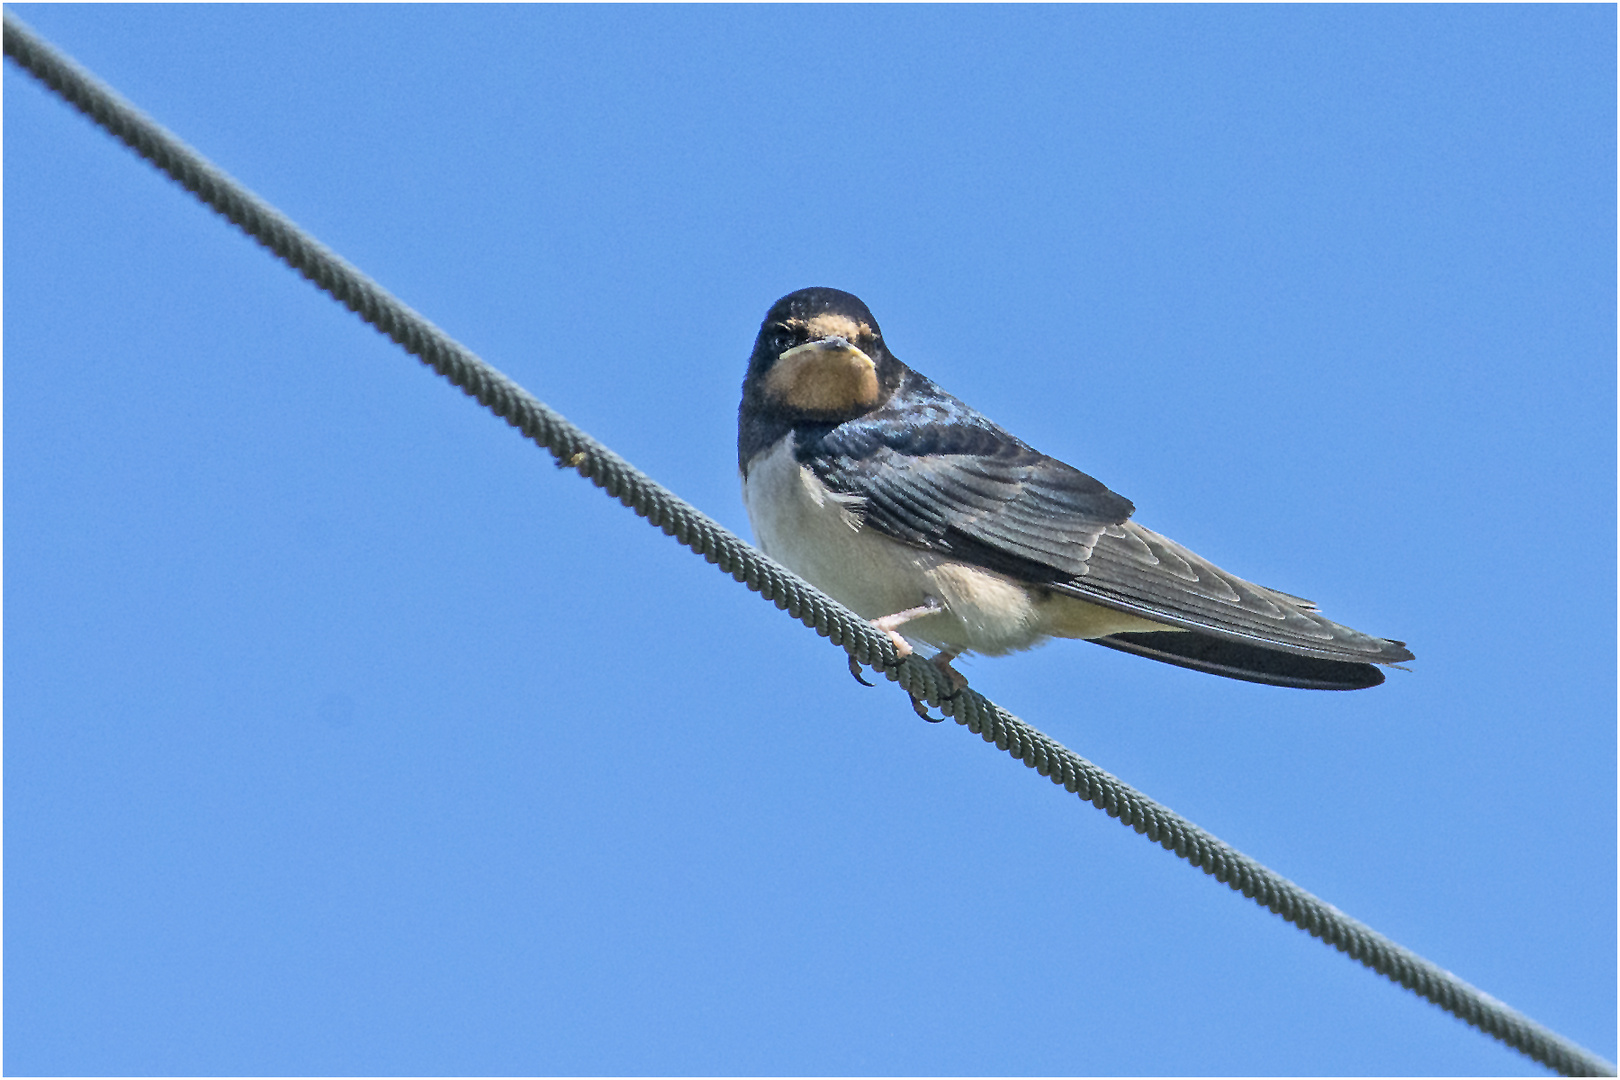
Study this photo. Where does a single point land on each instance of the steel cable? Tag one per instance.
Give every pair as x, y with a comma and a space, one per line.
574, 449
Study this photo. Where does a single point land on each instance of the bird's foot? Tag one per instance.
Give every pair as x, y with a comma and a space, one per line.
957, 681
902, 649
942, 663
890, 625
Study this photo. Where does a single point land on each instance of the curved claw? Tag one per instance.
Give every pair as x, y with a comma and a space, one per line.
855, 670
921, 710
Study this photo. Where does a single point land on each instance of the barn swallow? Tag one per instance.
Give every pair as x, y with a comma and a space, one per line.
918, 513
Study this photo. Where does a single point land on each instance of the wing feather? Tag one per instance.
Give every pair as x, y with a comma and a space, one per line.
1182, 589
930, 471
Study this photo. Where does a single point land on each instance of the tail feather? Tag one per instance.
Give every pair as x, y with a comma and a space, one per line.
1250, 663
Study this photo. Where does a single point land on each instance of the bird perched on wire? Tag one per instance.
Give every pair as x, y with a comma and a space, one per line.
918, 513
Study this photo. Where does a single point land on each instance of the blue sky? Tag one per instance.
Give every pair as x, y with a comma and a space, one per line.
344, 734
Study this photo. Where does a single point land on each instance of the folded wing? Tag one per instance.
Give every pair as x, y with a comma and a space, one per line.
938, 475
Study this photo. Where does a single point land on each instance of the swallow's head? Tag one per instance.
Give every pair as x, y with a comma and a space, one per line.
820, 357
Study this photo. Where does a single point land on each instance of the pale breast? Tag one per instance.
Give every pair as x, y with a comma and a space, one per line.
818, 535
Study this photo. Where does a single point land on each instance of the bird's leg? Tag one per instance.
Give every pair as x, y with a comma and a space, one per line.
887, 624
890, 624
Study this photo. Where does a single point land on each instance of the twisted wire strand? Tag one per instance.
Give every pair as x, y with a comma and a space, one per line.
574, 449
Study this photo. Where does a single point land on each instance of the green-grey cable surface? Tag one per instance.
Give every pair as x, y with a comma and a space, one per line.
575, 449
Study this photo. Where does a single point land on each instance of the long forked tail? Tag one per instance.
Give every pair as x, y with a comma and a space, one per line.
1251, 663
